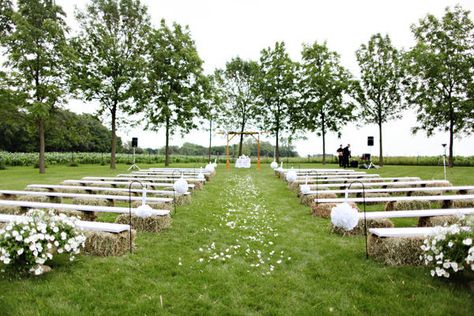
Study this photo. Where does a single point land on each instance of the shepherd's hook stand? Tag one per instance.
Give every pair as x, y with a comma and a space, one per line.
365, 215
174, 192
130, 184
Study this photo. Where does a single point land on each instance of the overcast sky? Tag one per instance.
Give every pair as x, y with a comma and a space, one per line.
223, 29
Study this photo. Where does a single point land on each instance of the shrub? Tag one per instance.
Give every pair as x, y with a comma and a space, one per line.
449, 251
27, 243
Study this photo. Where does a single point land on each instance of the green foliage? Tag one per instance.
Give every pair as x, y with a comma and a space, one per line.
175, 87
109, 57
65, 131
238, 109
379, 93
441, 72
323, 83
275, 91
6, 10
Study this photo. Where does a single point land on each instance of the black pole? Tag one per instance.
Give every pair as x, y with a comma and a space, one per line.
365, 214
130, 211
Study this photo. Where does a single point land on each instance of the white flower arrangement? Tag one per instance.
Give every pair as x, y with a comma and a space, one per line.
344, 216
27, 243
449, 251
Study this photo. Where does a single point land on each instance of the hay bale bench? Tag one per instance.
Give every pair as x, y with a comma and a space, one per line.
398, 246
423, 215
408, 191
403, 202
313, 182
122, 184
87, 199
102, 239
420, 183
198, 184
160, 217
94, 190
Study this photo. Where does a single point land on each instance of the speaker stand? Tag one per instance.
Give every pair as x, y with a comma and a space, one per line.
134, 166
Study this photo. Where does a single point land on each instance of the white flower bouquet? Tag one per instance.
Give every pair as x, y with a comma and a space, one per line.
449, 251
27, 243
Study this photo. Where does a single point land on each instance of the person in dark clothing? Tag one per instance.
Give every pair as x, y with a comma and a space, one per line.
339, 154
346, 154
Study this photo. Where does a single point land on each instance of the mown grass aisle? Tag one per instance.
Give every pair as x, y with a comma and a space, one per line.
245, 246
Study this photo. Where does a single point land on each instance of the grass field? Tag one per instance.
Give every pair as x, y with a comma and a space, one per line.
187, 269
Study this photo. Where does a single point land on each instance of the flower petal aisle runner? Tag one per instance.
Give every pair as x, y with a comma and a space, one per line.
245, 218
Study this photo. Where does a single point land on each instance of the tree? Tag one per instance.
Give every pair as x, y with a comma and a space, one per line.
238, 109
37, 49
109, 57
175, 90
323, 83
275, 91
379, 93
441, 69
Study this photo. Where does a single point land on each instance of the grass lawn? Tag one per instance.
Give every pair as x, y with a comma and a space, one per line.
244, 246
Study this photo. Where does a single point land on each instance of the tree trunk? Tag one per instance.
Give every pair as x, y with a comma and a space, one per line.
167, 152
451, 140
210, 139
114, 137
323, 132
42, 166
380, 145
277, 150
241, 142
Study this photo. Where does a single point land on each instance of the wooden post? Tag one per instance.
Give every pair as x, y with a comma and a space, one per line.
258, 151
227, 164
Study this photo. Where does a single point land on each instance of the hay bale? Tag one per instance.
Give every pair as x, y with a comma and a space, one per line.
396, 251
409, 205
294, 186
460, 203
359, 229
154, 205
324, 209
105, 244
307, 199
39, 198
83, 215
439, 221
438, 185
376, 194
183, 199
424, 193
13, 210
36, 189
152, 224
92, 201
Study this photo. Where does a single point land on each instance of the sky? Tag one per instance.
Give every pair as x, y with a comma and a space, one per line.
223, 29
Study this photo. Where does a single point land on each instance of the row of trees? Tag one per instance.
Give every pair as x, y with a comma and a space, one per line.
117, 59
190, 149
435, 77
65, 132
133, 69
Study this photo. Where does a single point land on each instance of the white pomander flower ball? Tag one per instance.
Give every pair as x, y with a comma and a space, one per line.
291, 176
305, 189
344, 216
181, 186
143, 211
274, 165
210, 168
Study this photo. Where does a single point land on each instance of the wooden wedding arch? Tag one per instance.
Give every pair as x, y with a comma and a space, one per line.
231, 135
